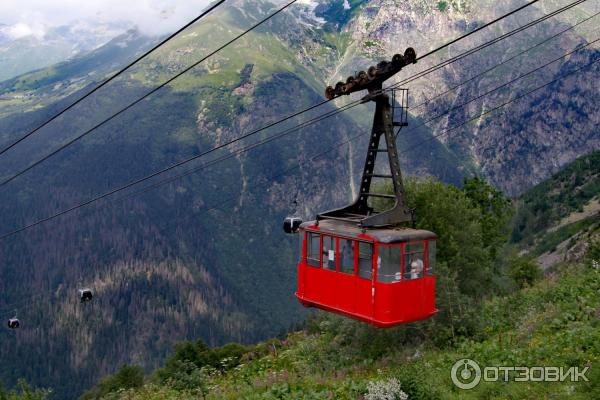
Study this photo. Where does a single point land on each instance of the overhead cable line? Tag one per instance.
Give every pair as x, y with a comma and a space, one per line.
77, 138
62, 147
495, 89
112, 77
478, 116
527, 50
486, 44
176, 165
264, 141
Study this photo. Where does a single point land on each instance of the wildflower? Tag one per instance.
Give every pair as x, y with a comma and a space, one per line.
385, 390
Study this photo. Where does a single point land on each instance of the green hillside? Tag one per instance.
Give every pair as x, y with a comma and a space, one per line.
44, 87
563, 207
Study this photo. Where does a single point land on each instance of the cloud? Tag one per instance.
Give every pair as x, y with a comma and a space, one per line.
152, 17
20, 30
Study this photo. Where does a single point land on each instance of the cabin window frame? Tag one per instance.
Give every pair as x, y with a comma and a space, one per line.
400, 247
371, 259
357, 242
340, 255
423, 243
335, 254
308, 252
430, 268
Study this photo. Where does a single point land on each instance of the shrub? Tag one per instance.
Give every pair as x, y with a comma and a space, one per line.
188, 377
199, 354
524, 271
593, 251
23, 392
128, 377
385, 390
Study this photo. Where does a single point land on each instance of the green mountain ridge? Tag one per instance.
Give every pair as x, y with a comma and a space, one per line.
43, 87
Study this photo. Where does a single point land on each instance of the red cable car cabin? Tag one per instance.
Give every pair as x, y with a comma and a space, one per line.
382, 276
359, 260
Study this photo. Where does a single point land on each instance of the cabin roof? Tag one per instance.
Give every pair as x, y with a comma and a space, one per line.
382, 235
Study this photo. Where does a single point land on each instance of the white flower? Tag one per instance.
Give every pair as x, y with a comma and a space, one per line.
385, 390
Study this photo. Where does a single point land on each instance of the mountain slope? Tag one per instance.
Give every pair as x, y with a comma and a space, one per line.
43, 87
555, 322
558, 219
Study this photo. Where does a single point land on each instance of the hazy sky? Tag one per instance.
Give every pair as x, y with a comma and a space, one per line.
151, 16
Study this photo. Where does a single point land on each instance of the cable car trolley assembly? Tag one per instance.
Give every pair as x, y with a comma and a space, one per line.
14, 323
359, 262
85, 295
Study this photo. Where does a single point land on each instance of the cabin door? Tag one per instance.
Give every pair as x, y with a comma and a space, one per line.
364, 289
345, 286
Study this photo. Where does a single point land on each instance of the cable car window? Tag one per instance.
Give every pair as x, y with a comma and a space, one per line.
313, 249
328, 255
365, 255
388, 264
347, 256
413, 260
430, 257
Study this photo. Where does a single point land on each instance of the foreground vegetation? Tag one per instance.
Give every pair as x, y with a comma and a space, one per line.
554, 323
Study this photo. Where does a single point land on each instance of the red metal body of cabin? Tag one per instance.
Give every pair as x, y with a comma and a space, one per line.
380, 276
